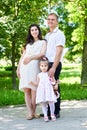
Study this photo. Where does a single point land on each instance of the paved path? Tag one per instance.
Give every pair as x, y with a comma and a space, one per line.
73, 117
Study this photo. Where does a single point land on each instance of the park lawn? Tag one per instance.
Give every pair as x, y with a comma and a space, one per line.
71, 88
69, 84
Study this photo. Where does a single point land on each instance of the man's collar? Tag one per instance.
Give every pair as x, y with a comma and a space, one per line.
55, 29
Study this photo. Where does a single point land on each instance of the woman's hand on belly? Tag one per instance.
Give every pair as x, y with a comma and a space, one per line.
26, 60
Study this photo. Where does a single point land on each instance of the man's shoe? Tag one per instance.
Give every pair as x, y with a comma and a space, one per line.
41, 115
58, 115
49, 117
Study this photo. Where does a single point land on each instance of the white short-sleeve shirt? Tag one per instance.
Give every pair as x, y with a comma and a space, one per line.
54, 39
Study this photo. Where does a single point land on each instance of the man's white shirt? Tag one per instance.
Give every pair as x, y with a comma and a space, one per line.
54, 39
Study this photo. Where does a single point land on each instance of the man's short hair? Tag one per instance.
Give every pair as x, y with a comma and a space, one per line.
54, 15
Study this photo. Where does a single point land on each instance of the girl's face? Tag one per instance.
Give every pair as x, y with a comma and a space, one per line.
34, 32
44, 66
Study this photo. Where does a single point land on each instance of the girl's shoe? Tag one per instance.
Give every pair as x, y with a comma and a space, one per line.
46, 119
53, 118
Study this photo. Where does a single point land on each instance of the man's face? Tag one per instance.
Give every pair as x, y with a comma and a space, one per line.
52, 21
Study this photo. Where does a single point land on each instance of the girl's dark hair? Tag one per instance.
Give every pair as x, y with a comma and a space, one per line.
29, 38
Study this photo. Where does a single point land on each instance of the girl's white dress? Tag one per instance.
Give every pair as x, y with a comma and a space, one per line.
45, 92
29, 71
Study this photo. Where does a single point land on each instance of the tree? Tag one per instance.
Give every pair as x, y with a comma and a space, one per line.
84, 57
78, 14
16, 16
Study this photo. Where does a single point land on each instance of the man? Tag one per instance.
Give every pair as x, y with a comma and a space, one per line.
55, 44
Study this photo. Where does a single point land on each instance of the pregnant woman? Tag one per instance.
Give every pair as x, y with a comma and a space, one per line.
28, 67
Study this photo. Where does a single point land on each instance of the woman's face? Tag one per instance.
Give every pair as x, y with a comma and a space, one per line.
34, 32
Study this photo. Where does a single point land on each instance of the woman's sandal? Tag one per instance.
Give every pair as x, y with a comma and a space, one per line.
53, 118
29, 118
46, 119
36, 116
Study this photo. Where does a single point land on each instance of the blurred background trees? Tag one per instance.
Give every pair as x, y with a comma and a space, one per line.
17, 15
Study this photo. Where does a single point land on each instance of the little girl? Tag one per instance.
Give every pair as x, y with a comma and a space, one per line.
45, 94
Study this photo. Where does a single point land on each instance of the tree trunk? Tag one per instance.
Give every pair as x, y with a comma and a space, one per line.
13, 67
84, 59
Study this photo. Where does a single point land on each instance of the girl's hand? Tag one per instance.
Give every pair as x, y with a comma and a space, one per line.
32, 83
26, 60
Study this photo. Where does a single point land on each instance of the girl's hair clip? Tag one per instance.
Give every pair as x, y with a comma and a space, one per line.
45, 58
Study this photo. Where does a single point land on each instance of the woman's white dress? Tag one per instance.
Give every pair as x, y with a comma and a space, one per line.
29, 71
45, 92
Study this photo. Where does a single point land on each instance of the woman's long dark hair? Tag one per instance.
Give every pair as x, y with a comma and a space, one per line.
29, 38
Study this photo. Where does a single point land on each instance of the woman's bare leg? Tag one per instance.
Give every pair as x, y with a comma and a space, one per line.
28, 101
33, 95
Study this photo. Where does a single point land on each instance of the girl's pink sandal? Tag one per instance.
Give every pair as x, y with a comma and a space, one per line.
46, 119
53, 118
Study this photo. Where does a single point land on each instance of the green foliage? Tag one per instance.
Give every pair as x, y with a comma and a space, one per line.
77, 14
16, 16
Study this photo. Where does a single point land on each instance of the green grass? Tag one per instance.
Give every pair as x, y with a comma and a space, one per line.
8, 96
73, 92
70, 86
11, 97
